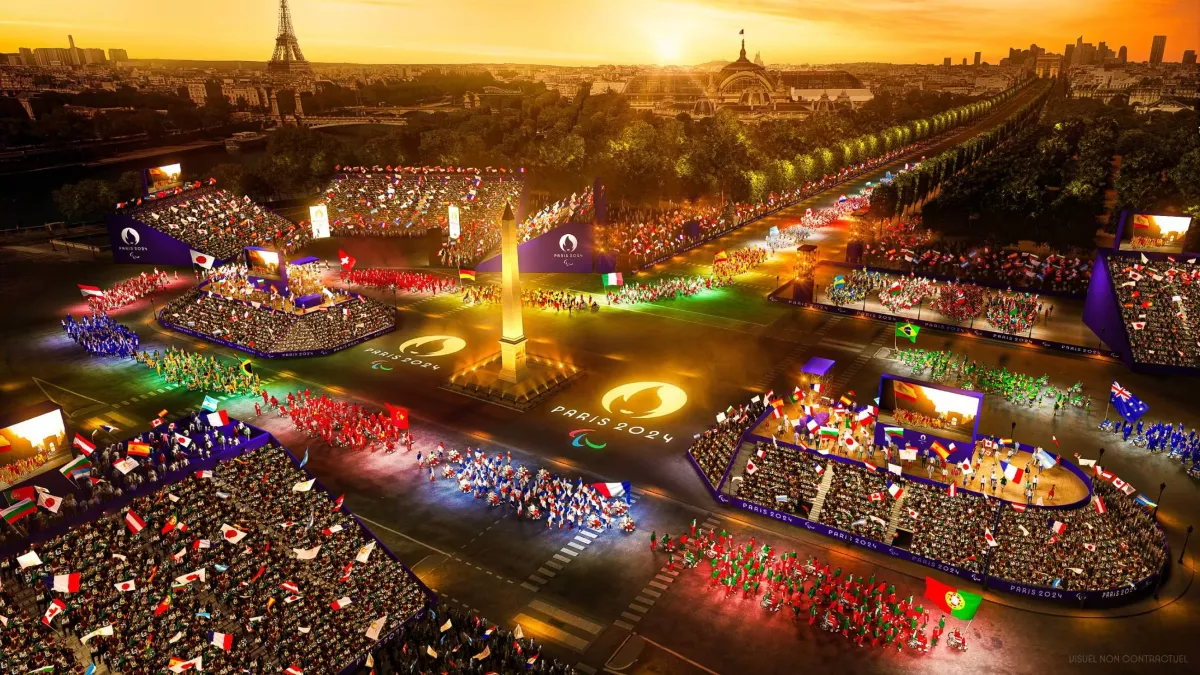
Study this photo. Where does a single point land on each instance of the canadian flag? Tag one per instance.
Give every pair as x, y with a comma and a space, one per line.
56, 607
347, 261
875, 497
340, 603
134, 522
232, 534
126, 586
202, 260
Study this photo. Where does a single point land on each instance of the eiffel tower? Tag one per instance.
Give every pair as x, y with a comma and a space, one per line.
287, 57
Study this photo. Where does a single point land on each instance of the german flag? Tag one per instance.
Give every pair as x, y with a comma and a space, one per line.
466, 275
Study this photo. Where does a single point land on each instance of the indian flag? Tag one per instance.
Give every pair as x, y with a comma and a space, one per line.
893, 432
613, 279
77, 463
19, 510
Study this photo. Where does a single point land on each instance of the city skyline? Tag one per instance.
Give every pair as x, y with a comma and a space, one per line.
619, 32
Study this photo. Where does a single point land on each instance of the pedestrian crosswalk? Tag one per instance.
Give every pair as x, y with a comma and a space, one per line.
566, 628
584, 536
655, 588
865, 355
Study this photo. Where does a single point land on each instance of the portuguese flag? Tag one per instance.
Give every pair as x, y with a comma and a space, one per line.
956, 603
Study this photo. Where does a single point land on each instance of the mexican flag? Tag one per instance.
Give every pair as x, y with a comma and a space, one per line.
956, 603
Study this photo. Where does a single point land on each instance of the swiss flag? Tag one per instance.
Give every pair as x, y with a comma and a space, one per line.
205, 261
347, 261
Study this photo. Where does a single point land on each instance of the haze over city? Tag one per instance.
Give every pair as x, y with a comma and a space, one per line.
588, 32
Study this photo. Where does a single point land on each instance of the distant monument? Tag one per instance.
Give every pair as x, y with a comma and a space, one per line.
287, 59
512, 378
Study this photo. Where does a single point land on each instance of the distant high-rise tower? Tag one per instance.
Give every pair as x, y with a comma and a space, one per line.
978, 55
1123, 54
287, 57
946, 62
1157, 48
1189, 57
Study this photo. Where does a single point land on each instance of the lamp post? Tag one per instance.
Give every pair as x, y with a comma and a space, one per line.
1183, 548
1101, 460
1157, 501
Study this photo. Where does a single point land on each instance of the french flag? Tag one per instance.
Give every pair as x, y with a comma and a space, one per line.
222, 640
613, 490
65, 583
219, 418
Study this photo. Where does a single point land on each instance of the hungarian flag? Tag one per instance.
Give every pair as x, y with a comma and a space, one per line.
138, 449
57, 606
85, 446
347, 261
64, 583
958, 604
399, 416
340, 603
465, 274
198, 258
222, 640
904, 390
219, 418
87, 291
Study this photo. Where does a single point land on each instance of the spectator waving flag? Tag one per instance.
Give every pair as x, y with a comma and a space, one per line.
1126, 404
219, 418
85, 446
1012, 472
613, 490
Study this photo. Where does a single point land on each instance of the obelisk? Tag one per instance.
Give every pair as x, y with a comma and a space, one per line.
512, 333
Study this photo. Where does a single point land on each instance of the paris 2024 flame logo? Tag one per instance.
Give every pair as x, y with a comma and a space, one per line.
429, 346
644, 400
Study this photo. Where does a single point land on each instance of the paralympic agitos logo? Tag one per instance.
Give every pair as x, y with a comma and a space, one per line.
579, 438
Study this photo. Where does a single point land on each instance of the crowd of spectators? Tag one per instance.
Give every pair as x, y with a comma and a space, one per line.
909, 251
128, 291
404, 281
101, 335
470, 645
269, 331
239, 551
1159, 300
200, 372
220, 224
783, 478
713, 449
858, 502
29, 647
946, 529
578, 208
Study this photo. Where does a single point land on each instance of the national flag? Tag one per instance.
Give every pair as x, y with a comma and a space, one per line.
337, 503
952, 491
290, 586
138, 449
169, 525
957, 603
940, 449
185, 579
85, 446
64, 583
176, 665
183, 441
293, 670
1001, 442
812, 426
1144, 501
304, 486
849, 442
364, 552
17, 511
894, 468
306, 554
77, 463
904, 390
818, 469
222, 640
832, 432
210, 404
1123, 486
465, 274
329, 531
219, 418
346, 260
305, 459
340, 603
156, 423
1126, 404
202, 543
895, 289
817, 387
91, 669
750, 467
126, 586
376, 628
1098, 503
990, 539
49, 502
893, 432
231, 534
1044, 459
844, 400
205, 261
875, 497
907, 330
90, 291
965, 467
247, 367
57, 606
720, 257
346, 572
613, 490
206, 473
613, 279
894, 490
869, 467
1018, 507
1058, 527
105, 631
1012, 472
399, 416
1055, 439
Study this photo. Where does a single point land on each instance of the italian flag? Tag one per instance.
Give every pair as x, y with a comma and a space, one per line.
19, 510
957, 603
613, 279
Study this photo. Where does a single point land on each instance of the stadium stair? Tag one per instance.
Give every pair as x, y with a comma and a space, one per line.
819, 503
894, 521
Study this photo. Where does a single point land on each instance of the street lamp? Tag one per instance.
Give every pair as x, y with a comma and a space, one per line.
1159, 500
1185, 542
1101, 460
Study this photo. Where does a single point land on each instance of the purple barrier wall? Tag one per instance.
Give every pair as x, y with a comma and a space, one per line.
565, 249
1097, 598
136, 242
950, 328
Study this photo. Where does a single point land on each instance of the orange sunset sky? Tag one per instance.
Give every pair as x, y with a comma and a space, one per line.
582, 32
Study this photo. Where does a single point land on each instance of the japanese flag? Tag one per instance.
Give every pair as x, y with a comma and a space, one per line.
126, 586
202, 260
232, 534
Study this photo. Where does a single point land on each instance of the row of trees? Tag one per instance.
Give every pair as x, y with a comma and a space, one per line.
1049, 184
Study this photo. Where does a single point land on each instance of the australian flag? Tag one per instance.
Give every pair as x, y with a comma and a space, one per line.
1127, 405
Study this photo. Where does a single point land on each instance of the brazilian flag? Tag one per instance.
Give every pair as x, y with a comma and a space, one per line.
248, 368
907, 330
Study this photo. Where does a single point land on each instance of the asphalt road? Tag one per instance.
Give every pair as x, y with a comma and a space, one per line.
603, 599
